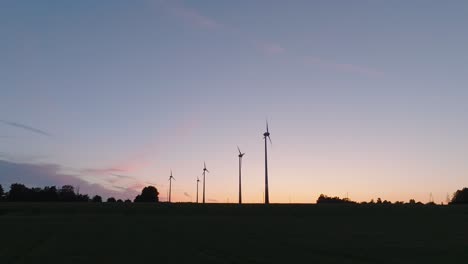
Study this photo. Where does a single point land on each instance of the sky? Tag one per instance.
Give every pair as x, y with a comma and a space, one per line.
364, 99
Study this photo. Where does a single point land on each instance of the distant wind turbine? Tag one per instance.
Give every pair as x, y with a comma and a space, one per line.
170, 185
265, 136
204, 172
198, 180
240, 174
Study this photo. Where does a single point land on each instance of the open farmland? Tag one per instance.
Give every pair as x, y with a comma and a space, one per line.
219, 233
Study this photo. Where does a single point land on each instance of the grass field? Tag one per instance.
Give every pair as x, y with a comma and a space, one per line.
216, 233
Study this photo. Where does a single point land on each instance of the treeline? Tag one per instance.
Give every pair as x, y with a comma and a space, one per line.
459, 197
67, 193
323, 199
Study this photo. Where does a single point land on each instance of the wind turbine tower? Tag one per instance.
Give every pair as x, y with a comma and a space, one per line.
240, 174
265, 136
198, 180
204, 172
170, 185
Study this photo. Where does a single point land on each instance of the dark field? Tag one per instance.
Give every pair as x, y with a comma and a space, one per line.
187, 233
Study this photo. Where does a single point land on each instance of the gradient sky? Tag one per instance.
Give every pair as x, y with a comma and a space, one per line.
364, 98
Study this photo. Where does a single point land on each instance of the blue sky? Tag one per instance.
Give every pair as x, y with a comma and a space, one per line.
363, 97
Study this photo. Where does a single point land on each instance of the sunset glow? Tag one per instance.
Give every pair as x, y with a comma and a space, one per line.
364, 99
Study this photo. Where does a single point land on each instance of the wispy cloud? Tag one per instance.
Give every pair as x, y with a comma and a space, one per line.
192, 16
132, 164
345, 67
153, 184
270, 48
26, 127
120, 187
114, 178
122, 176
101, 170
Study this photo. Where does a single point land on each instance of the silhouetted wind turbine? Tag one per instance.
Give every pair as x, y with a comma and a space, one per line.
204, 172
240, 174
265, 136
170, 185
198, 180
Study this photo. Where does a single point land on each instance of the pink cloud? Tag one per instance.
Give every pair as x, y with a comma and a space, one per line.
270, 48
134, 164
101, 171
193, 17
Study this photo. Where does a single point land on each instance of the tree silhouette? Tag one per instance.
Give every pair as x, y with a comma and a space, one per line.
332, 200
49, 194
148, 194
460, 197
1, 192
127, 201
111, 200
82, 198
18, 192
97, 199
67, 193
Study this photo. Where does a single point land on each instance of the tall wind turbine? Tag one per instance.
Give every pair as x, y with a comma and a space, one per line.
198, 180
204, 172
240, 174
170, 185
265, 136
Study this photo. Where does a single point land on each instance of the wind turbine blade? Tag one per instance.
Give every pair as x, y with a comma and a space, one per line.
270, 140
239, 150
208, 171
204, 165
267, 125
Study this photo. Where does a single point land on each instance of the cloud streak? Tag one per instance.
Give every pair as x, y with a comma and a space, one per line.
270, 48
122, 176
26, 127
193, 17
101, 171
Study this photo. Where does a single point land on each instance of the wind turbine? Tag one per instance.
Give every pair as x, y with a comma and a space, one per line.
198, 180
170, 185
265, 136
204, 172
240, 174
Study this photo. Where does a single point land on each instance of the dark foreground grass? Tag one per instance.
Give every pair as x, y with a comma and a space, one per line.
189, 233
